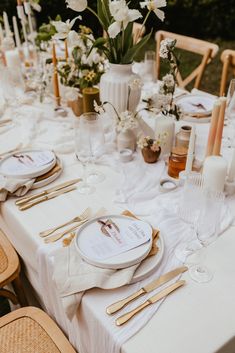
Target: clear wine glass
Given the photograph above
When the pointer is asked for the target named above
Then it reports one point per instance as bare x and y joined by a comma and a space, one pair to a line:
189, 208
97, 141
207, 230
83, 152
230, 113
149, 66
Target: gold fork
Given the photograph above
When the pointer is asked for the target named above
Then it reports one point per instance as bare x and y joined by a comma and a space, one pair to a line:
85, 214
58, 236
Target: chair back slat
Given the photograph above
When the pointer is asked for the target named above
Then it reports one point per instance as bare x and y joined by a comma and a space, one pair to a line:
228, 60
197, 46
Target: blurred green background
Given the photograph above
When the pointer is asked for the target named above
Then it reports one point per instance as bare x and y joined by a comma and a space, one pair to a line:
212, 20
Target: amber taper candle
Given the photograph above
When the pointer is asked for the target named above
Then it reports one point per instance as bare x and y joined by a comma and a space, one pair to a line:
55, 76
66, 50
19, 2
220, 127
213, 128
90, 94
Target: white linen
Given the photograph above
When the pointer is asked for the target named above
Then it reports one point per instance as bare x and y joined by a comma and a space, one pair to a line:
13, 186
159, 209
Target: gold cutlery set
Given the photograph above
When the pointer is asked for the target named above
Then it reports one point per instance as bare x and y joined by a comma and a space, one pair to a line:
147, 289
29, 201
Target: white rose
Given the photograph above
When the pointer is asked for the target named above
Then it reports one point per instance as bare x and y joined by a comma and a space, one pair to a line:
77, 5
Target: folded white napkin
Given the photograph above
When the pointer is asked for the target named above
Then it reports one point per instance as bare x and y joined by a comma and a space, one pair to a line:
73, 275
13, 186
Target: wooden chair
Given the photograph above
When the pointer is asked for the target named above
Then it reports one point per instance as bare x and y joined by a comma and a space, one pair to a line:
9, 272
206, 49
228, 60
30, 330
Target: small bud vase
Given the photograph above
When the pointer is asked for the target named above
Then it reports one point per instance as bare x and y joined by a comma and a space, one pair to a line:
126, 139
150, 156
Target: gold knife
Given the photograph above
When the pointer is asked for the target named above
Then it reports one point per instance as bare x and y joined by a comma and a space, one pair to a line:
148, 288
126, 317
46, 198
46, 192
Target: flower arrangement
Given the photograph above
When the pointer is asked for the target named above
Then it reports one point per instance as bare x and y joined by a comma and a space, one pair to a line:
151, 148
150, 143
86, 65
116, 19
168, 84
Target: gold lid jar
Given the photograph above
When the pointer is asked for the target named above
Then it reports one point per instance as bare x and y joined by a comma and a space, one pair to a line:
177, 161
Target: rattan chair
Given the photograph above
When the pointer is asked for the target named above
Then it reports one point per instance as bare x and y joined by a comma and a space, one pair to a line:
30, 330
206, 49
228, 60
9, 272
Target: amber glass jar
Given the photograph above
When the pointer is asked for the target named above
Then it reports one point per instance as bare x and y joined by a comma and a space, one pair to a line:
177, 161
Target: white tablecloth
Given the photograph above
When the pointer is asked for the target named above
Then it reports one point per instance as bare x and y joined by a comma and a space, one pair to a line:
196, 319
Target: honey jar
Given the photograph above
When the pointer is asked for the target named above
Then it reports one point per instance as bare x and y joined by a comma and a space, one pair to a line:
177, 161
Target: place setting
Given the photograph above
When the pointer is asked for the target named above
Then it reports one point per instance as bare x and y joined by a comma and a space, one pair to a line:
24, 170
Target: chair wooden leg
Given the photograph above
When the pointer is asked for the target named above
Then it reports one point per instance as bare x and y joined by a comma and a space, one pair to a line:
19, 291
9, 295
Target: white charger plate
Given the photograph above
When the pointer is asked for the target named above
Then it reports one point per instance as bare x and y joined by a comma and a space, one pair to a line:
150, 264
33, 163
85, 237
196, 105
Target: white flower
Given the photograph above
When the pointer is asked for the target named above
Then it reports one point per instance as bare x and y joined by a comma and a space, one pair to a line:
98, 108
155, 5
168, 80
77, 5
122, 16
35, 6
126, 121
71, 93
63, 28
166, 45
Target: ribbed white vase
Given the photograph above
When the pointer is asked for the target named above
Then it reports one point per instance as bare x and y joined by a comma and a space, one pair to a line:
115, 87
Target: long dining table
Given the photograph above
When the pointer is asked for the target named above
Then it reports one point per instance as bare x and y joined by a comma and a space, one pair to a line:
196, 318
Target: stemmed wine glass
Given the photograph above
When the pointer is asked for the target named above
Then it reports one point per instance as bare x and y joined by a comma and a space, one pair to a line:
207, 230
89, 142
230, 112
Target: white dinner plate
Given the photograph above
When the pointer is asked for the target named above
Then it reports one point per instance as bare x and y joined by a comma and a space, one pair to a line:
196, 105
150, 264
50, 179
27, 164
91, 242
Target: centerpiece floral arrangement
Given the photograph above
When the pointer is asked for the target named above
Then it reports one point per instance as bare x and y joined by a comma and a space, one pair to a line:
164, 99
86, 65
116, 19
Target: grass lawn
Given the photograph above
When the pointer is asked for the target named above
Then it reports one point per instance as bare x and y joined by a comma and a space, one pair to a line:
212, 75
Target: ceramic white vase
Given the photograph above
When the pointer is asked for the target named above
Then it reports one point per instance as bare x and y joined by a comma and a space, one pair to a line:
126, 139
115, 88
165, 124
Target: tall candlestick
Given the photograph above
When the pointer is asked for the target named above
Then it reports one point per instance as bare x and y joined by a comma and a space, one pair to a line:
213, 128
66, 50
214, 172
220, 127
21, 15
27, 8
231, 173
13, 59
55, 76
6, 24
191, 148
1, 34
165, 125
16, 32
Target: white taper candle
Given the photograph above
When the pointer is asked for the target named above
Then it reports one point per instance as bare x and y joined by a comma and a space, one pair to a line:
16, 32
231, 173
1, 34
191, 148
6, 24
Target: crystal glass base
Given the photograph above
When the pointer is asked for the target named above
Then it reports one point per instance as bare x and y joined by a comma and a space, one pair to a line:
85, 189
200, 274
95, 177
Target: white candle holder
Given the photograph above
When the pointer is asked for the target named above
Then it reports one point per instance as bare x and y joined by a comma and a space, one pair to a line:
60, 112
27, 8
20, 13
229, 188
